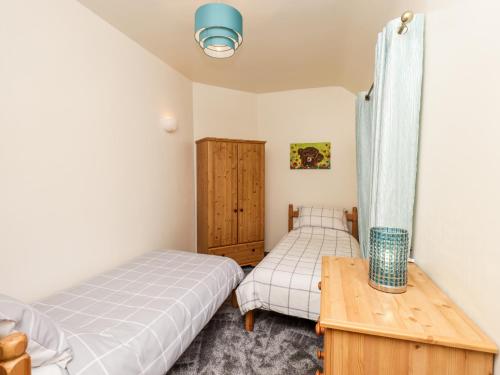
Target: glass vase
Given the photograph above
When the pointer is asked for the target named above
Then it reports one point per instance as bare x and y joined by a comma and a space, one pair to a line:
388, 259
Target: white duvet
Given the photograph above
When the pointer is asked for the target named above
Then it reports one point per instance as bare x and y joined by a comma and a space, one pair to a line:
140, 317
286, 281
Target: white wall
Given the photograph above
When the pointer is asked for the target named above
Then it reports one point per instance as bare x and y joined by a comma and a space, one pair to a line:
311, 115
224, 113
458, 200
88, 179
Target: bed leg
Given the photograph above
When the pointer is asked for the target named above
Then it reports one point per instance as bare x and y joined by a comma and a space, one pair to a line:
13, 357
234, 300
249, 320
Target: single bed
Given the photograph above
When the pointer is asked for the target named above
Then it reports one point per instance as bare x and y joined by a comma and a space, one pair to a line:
140, 317
286, 280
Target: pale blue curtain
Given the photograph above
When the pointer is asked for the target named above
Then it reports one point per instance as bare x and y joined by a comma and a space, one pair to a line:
363, 156
388, 143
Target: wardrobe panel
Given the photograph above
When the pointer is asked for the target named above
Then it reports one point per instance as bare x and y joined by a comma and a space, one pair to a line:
222, 194
250, 192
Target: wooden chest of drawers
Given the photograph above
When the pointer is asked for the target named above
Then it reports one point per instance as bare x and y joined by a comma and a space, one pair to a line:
374, 333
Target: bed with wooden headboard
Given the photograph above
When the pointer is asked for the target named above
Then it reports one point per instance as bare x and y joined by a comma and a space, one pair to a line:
286, 280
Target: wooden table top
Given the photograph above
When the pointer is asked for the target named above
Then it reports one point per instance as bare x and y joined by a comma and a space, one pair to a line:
422, 314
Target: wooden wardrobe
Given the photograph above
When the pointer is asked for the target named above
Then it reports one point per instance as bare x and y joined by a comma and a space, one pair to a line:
230, 198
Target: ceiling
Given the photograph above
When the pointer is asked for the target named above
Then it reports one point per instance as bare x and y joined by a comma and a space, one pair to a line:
288, 44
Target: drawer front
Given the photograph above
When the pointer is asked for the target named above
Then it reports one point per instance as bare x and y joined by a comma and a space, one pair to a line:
244, 254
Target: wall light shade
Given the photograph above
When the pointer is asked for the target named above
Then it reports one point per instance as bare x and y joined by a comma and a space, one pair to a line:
218, 29
169, 124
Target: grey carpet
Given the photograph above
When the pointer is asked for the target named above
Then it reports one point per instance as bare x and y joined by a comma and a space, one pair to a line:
278, 345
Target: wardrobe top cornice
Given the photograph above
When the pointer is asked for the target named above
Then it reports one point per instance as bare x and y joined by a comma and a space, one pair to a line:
228, 140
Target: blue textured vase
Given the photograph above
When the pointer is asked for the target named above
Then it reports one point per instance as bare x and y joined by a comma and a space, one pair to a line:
389, 259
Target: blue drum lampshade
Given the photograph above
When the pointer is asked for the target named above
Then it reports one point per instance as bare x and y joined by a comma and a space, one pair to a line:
388, 259
218, 29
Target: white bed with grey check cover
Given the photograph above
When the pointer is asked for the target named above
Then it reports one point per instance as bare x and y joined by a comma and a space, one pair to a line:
140, 317
286, 281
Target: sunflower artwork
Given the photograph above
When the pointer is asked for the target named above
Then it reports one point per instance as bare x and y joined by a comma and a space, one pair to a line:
310, 155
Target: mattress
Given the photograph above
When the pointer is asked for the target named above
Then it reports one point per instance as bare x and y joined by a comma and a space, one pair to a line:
286, 281
140, 317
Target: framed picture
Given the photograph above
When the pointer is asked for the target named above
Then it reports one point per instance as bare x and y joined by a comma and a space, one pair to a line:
310, 155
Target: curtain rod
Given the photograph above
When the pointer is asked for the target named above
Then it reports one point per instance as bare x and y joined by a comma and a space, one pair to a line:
406, 18
367, 96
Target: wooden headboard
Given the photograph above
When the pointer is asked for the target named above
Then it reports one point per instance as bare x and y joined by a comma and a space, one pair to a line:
351, 216
13, 357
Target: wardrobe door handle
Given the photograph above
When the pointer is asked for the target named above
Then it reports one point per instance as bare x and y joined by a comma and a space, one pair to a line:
241, 209
235, 210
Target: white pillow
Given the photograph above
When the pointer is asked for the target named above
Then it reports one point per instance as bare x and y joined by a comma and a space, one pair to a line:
323, 217
47, 342
6, 327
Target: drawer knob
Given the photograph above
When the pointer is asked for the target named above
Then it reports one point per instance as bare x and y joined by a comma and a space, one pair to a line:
253, 250
235, 210
320, 354
223, 255
319, 285
241, 209
320, 331
319, 372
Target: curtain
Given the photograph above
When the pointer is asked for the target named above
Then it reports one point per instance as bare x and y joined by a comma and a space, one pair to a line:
387, 129
363, 156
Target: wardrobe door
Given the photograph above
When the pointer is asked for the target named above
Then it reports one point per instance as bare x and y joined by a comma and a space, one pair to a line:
222, 194
250, 192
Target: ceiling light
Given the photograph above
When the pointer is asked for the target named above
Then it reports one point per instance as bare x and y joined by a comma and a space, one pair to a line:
218, 29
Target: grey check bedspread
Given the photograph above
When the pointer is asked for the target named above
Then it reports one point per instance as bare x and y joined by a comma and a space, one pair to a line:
140, 317
286, 281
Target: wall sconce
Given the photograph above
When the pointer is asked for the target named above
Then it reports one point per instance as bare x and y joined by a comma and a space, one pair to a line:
169, 124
